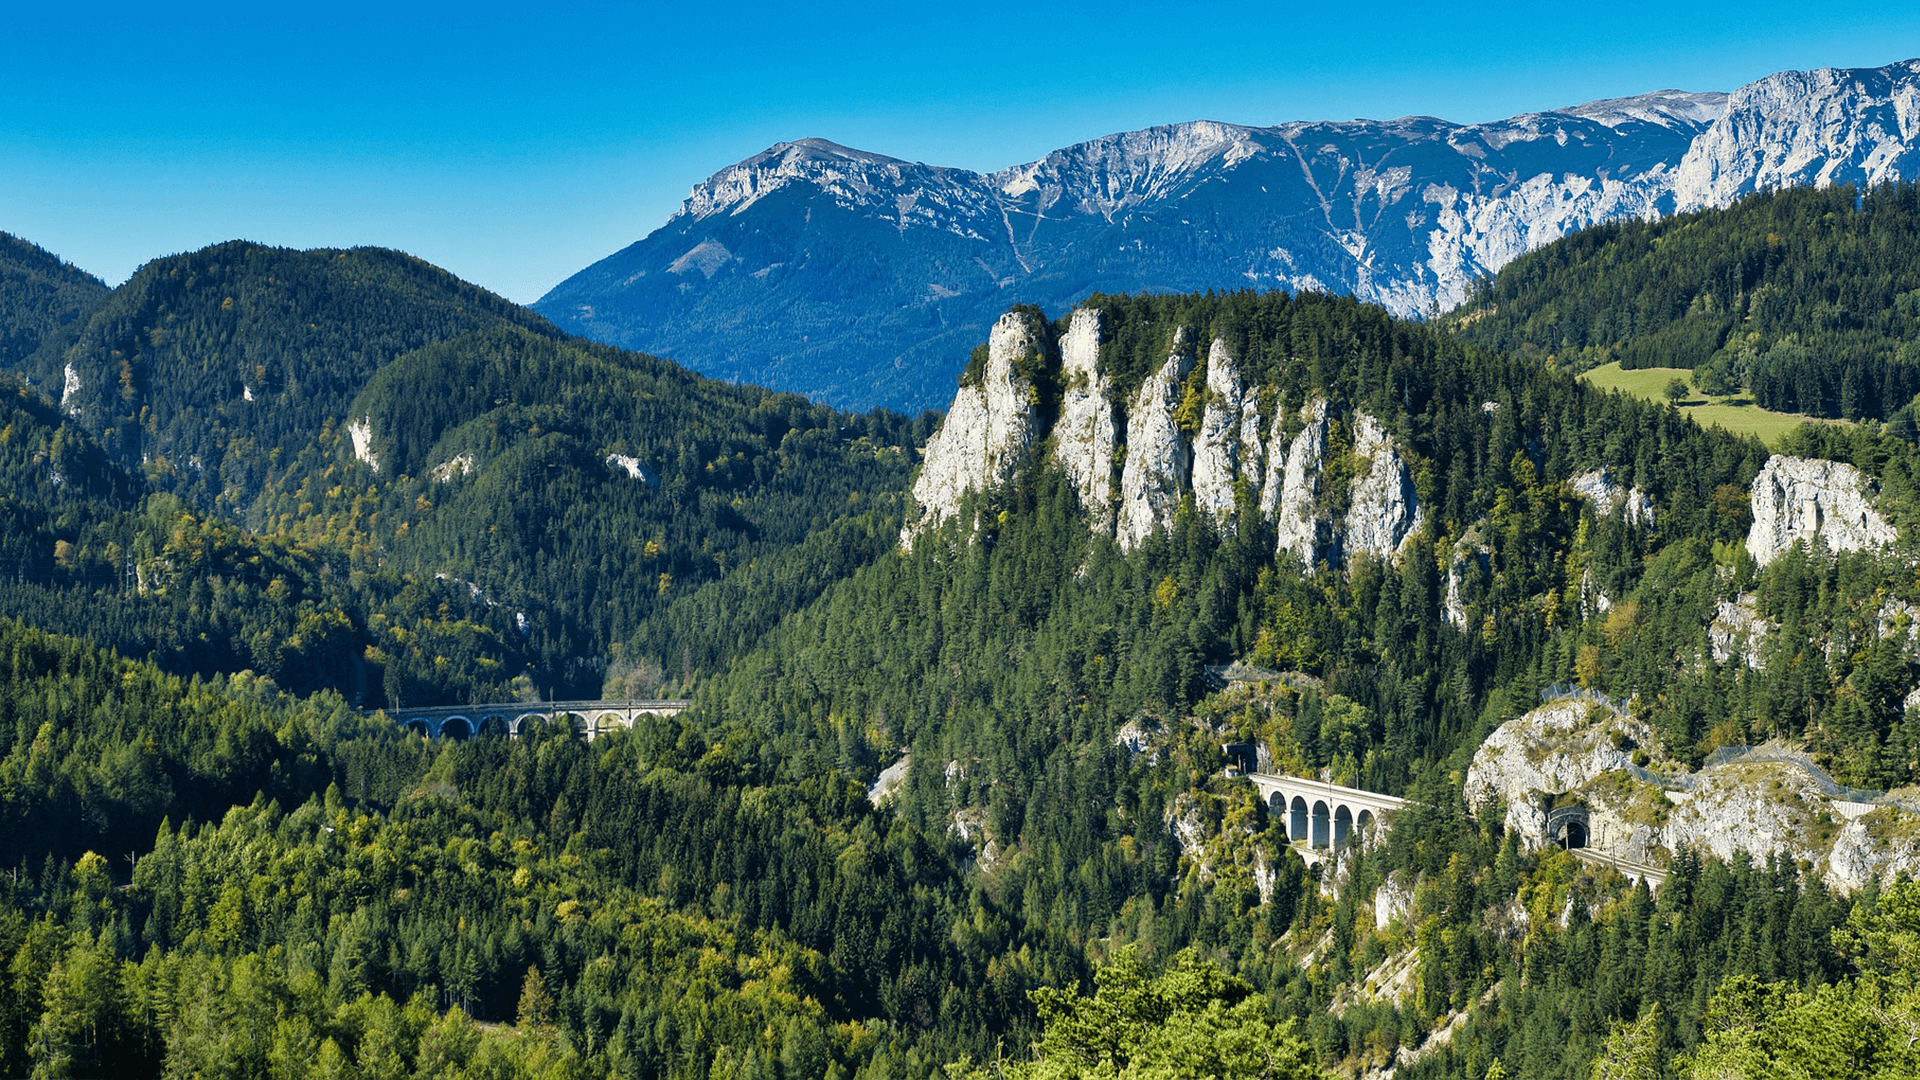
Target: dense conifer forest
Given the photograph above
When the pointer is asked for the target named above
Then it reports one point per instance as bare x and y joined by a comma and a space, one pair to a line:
214, 862
1809, 297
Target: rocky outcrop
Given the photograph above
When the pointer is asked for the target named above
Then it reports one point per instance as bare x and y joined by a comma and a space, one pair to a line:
1558, 747
1469, 569
1820, 503
989, 427
1737, 630
1384, 509
1085, 435
361, 432
1217, 450
1155, 472
1597, 486
1875, 846
1296, 487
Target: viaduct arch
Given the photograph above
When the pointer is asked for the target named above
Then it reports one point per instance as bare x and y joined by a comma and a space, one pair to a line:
510, 718
1324, 816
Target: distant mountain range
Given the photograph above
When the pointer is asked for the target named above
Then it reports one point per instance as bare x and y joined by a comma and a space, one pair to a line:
866, 280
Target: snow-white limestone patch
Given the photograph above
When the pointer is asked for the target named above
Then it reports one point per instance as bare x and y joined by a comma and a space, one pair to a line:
1738, 630
361, 432
1216, 452
1085, 435
628, 464
1597, 486
989, 428
69, 388
1813, 501
1298, 485
458, 465
1385, 510
1155, 472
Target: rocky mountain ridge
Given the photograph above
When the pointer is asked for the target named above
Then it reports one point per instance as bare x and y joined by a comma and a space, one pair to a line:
1165, 455
857, 276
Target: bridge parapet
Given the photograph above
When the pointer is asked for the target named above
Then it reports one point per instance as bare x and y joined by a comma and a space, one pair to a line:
510, 718
1322, 814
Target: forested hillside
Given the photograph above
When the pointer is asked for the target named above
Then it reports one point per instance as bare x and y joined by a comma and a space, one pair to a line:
42, 300
959, 801
1810, 297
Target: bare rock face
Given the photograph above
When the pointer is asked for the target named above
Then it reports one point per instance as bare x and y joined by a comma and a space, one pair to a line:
1819, 502
1738, 630
1216, 453
1385, 510
1468, 571
1760, 808
1558, 747
1294, 513
1874, 846
1085, 435
1152, 480
1597, 486
989, 427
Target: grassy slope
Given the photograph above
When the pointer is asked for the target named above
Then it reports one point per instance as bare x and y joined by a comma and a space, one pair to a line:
1736, 414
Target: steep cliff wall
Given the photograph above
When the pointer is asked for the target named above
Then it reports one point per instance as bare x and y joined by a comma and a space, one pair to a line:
1155, 473
1823, 503
989, 427
1085, 435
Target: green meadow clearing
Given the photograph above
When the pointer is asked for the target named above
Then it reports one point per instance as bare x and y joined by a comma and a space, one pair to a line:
1736, 413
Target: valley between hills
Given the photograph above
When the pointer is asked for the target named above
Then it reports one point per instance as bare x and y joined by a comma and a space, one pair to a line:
1259, 682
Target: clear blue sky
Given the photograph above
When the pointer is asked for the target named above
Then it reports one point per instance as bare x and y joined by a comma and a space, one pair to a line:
516, 144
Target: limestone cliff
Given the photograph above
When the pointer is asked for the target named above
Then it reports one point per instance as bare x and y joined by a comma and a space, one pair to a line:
1469, 569
1217, 450
1154, 475
1085, 435
1598, 487
1766, 801
989, 427
1384, 509
1135, 454
1296, 487
1819, 502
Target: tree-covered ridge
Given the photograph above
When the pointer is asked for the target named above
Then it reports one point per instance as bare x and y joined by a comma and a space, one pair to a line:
205, 365
527, 550
43, 298
1809, 297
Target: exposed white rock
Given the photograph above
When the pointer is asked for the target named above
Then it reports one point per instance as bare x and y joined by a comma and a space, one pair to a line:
1738, 630
458, 465
1760, 808
1875, 846
1468, 571
625, 463
1556, 748
1598, 487
1085, 435
1818, 502
1152, 480
246, 393
1392, 899
1819, 127
69, 388
1296, 516
361, 432
1253, 464
1216, 453
985, 433
890, 778
1593, 601
1385, 509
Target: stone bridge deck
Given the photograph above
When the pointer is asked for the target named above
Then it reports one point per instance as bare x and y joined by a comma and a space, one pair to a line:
1323, 814
509, 718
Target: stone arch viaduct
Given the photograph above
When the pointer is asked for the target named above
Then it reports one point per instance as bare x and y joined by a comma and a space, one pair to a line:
1324, 815
510, 718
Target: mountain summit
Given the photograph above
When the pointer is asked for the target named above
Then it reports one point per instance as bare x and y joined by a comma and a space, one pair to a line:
865, 279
